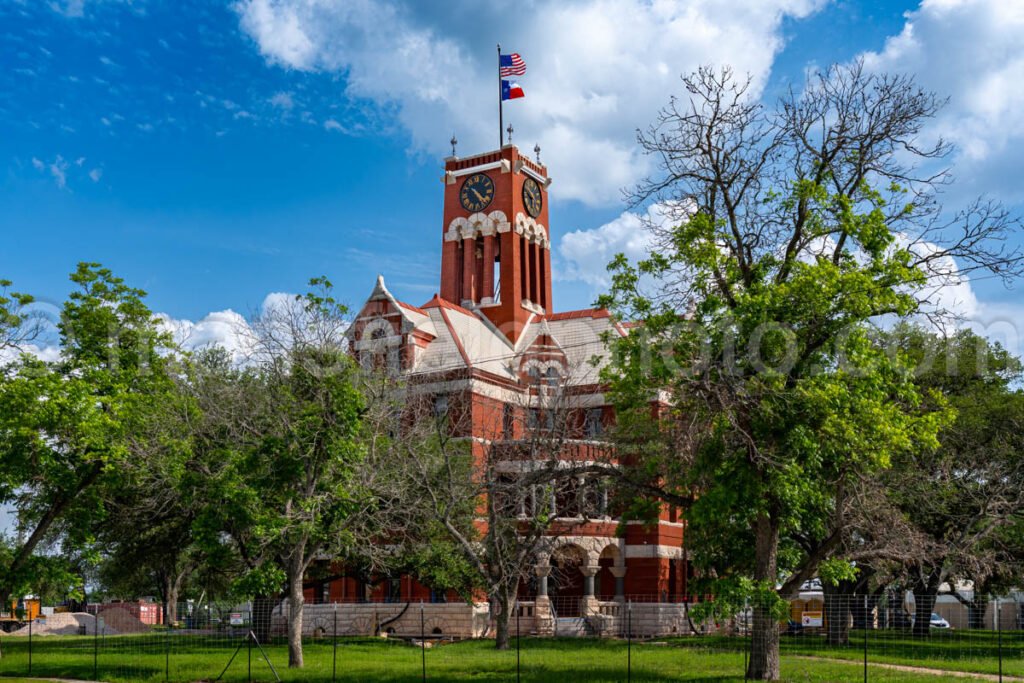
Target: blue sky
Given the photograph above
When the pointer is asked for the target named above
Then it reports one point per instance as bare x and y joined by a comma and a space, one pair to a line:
215, 152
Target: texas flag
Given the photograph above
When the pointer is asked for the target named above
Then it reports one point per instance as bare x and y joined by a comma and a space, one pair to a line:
510, 90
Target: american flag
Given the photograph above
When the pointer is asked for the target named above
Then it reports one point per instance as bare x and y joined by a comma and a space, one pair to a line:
512, 65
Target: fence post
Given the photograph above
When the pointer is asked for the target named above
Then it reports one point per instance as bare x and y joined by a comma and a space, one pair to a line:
248, 646
96, 646
999, 639
167, 655
629, 640
334, 660
750, 630
423, 640
865, 624
29, 645
517, 640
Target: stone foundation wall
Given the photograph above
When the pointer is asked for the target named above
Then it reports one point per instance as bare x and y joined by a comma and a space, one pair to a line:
657, 619
452, 620
459, 620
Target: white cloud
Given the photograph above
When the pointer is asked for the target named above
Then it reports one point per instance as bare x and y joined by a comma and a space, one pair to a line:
59, 171
948, 293
283, 100
598, 69
226, 329
75, 9
69, 8
1002, 322
45, 353
587, 252
970, 50
64, 172
331, 124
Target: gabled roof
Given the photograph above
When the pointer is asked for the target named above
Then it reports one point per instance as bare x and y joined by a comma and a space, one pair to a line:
462, 338
410, 307
413, 317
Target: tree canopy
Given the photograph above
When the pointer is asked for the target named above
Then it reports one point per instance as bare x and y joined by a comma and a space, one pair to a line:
788, 233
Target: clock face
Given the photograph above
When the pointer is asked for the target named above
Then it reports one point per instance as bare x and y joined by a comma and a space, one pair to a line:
477, 192
532, 197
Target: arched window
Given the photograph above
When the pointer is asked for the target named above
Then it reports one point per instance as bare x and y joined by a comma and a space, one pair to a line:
534, 373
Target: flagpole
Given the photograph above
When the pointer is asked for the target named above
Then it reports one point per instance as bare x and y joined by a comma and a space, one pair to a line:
501, 103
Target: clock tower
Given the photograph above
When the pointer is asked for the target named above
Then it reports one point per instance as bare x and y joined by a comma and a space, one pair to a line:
496, 256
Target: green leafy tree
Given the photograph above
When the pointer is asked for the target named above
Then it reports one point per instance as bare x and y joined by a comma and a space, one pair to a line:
788, 232
283, 447
963, 500
17, 326
936, 517
147, 542
66, 427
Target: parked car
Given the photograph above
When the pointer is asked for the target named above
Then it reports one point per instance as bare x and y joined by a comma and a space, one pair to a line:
938, 622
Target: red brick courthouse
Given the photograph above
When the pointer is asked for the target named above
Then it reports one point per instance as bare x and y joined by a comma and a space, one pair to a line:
484, 340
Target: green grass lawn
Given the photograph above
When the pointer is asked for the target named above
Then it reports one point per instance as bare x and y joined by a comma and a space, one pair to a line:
976, 651
198, 658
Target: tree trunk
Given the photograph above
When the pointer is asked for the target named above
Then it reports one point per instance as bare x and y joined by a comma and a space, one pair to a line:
295, 605
5, 600
172, 589
764, 648
976, 611
501, 613
925, 591
837, 612
262, 612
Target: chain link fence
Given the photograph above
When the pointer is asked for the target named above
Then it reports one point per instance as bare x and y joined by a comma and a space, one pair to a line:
638, 638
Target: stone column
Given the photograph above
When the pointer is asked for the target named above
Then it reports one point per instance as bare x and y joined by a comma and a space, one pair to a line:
620, 582
589, 604
487, 286
542, 604
542, 571
589, 572
468, 267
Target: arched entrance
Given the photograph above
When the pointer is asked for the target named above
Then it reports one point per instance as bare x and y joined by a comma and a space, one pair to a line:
565, 585
605, 587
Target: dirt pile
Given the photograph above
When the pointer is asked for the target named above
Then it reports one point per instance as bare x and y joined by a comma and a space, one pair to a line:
66, 624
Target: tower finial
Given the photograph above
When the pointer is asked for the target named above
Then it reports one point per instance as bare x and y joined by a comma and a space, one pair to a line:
510, 130
536, 151
454, 142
